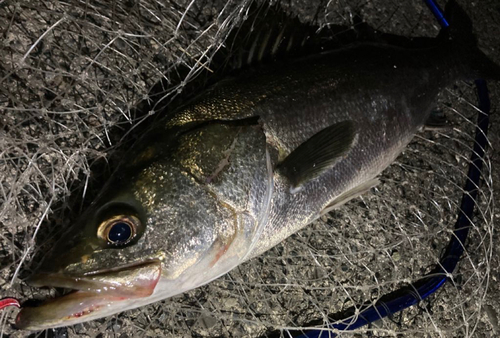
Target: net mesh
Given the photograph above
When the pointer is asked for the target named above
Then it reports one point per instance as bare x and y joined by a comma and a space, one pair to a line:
72, 74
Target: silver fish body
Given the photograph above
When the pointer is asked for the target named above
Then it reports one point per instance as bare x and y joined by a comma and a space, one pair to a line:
386, 98
242, 167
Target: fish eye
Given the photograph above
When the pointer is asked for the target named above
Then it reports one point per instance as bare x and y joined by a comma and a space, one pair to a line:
118, 230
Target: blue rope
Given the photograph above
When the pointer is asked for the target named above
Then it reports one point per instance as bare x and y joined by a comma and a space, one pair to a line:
426, 286
438, 13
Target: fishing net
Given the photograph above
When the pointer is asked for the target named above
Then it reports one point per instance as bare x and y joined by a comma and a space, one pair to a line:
72, 74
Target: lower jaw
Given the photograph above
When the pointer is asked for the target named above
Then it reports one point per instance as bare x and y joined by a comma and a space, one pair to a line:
73, 308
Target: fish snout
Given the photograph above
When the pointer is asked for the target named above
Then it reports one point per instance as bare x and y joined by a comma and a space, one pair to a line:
92, 293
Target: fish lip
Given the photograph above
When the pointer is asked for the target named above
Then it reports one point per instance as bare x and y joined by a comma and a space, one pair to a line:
93, 293
99, 280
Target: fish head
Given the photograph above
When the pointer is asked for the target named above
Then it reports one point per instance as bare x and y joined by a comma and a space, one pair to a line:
153, 232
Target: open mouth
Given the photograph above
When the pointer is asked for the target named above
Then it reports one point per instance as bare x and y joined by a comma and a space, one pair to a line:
90, 296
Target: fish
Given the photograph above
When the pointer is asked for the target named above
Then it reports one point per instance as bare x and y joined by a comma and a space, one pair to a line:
244, 165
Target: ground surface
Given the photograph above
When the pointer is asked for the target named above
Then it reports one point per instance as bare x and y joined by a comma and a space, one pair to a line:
71, 74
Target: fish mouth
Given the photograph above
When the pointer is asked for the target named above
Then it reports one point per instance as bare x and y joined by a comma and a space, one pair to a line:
92, 295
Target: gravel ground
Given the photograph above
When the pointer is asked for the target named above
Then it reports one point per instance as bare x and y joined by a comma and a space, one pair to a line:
72, 74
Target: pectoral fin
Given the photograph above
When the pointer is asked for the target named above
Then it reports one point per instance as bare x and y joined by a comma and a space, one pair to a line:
318, 154
349, 195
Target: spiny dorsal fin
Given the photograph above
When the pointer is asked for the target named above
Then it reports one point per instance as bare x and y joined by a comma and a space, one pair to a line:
318, 154
266, 34
269, 33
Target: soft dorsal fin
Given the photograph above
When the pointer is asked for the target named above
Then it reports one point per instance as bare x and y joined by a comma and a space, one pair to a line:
318, 154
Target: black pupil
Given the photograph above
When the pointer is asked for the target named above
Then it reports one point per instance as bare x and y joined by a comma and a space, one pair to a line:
120, 232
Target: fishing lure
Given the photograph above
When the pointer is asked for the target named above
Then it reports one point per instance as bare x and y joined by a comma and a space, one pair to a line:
7, 302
